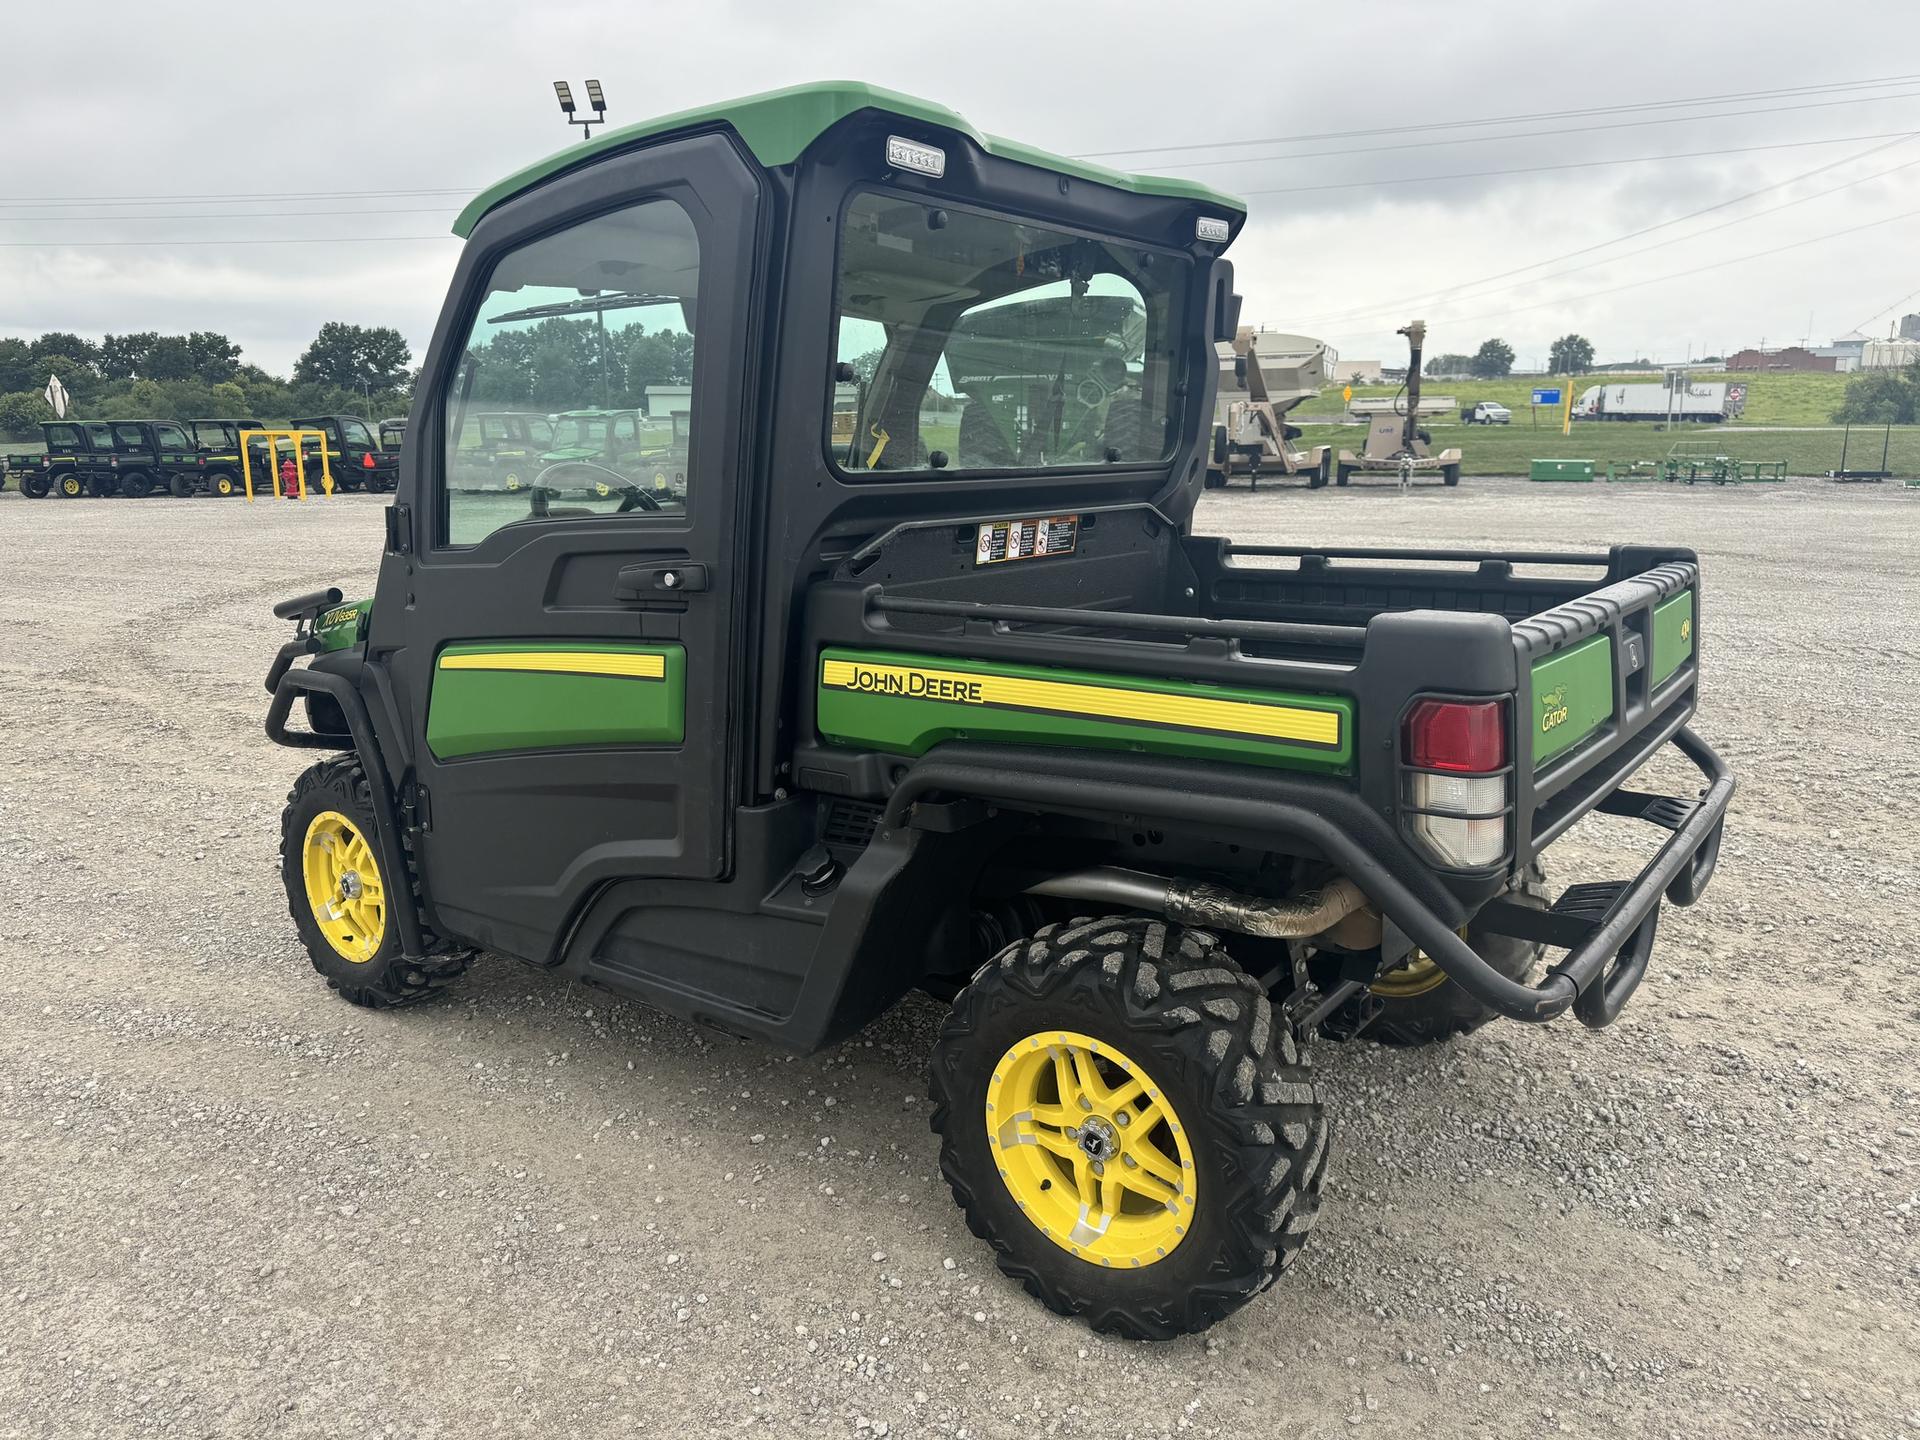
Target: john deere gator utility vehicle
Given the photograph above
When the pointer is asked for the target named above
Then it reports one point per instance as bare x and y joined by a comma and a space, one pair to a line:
924, 678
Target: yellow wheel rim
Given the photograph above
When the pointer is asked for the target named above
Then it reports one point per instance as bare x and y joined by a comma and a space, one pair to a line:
1415, 976
223, 486
69, 485
343, 886
1090, 1149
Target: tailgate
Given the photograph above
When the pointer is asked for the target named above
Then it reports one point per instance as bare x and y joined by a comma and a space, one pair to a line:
1605, 680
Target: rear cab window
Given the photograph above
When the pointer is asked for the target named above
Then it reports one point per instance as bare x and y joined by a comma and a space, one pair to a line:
971, 341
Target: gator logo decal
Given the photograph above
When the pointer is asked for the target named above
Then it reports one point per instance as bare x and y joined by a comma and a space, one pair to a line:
1074, 698
1686, 628
1553, 709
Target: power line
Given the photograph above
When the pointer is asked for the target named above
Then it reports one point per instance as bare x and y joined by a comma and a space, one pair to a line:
263, 196
1571, 165
1438, 296
231, 215
1430, 125
1885, 308
1536, 134
1675, 275
285, 240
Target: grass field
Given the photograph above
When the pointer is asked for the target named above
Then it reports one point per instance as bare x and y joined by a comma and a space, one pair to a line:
1786, 399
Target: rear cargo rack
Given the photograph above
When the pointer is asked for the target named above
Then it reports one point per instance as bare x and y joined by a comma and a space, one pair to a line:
1182, 625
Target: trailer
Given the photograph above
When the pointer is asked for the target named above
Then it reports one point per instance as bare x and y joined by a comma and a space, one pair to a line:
1706, 402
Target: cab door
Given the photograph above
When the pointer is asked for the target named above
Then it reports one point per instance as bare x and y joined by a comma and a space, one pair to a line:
561, 651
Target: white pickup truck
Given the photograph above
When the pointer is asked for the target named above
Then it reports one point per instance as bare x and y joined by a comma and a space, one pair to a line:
1486, 412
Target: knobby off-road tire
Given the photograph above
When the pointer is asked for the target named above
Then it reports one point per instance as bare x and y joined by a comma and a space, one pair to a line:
360, 953
1422, 1006
1166, 1009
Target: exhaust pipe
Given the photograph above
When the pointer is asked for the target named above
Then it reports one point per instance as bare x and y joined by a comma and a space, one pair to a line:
1196, 902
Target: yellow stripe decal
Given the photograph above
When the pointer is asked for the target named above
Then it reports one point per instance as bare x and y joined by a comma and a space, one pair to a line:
620, 664
1100, 702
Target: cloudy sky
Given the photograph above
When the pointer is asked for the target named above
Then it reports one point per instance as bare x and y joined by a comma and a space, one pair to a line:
1370, 200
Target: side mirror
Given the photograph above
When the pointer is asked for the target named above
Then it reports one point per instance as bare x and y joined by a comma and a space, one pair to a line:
843, 373
1226, 304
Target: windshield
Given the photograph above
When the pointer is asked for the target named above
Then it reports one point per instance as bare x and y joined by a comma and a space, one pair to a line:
573, 430
974, 342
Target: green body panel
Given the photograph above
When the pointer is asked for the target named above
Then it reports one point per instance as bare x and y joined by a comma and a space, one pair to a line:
483, 712
779, 124
342, 626
1560, 470
1672, 635
911, 725
1572, 697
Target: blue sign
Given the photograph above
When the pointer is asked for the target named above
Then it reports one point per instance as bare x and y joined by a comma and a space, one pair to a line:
1546, 397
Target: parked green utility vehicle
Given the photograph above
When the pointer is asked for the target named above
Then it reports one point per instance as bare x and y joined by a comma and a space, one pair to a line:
965, 707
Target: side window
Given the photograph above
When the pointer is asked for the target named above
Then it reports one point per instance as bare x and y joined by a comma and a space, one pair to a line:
63, 437
172, 436
571, 332
129, 437
100, 437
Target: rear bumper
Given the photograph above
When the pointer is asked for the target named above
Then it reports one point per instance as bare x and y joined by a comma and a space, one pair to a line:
1607, 929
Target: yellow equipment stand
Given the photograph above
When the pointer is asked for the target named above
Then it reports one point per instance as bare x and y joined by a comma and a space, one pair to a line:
297, 439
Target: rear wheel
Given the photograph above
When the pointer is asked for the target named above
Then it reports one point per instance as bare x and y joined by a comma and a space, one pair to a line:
68, 485
136, 484
101, 486
1450, 474
181, 485
1343, 474
35, 487
1130, 1126
1420, 1005
341, 901
222, 484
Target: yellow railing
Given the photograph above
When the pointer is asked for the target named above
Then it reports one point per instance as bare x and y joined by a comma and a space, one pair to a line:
273, 439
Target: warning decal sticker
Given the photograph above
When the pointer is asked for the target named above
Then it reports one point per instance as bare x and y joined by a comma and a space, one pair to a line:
1026, 539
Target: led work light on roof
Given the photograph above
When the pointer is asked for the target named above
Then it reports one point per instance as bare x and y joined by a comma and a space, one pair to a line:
904, 154
1208, 228
1455, 752
595, 98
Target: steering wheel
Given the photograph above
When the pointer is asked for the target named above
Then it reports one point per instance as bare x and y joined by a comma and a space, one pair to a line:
633, 497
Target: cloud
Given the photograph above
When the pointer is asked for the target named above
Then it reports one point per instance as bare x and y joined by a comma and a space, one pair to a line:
431, 97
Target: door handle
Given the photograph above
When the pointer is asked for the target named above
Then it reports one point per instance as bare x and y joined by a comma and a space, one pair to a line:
674, 577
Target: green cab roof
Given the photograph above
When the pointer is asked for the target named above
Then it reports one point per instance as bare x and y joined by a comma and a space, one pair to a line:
778, 125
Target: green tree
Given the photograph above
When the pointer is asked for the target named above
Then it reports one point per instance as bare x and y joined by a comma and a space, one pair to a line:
63, 342
215, 358
16, 366
21, 413
1440, 364
1570, 355
1881, 397
355, 357
229, 402
124, 356
1492, 361
169, 359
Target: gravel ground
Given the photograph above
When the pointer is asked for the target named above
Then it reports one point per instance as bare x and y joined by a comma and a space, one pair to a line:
233, 1205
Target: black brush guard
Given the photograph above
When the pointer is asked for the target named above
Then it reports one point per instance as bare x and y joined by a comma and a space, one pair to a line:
1607, 929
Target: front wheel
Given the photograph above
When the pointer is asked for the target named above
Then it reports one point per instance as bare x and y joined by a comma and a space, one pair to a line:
1343, 474
1450, 474
342, 901
181, 485
1129, 1125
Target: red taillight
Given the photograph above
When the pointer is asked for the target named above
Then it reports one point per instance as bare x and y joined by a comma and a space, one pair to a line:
1466, 737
